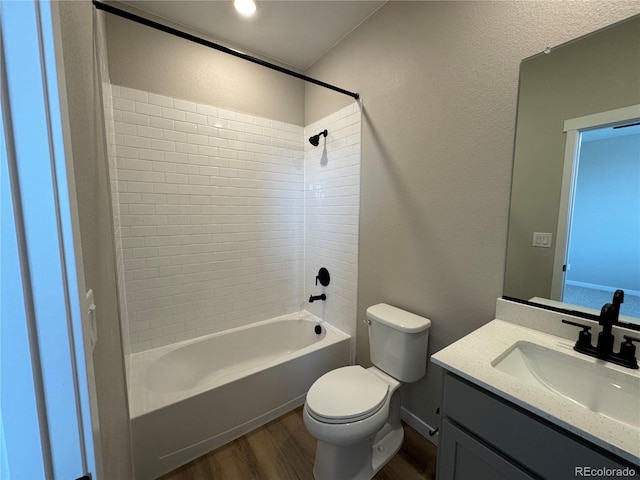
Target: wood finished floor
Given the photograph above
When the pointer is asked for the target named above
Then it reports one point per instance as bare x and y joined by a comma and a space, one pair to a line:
284, 450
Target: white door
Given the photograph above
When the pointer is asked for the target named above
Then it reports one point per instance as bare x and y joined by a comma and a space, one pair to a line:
45, 413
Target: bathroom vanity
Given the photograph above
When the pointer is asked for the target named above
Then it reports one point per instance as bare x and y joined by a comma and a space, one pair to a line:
519, 403
485, 437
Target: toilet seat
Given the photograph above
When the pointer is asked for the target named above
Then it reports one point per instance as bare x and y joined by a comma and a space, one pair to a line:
346, 395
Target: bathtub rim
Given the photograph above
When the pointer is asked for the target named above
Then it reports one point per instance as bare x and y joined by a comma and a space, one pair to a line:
301, 315
139, 394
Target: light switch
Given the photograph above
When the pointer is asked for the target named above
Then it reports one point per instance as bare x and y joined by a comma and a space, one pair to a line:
541, 239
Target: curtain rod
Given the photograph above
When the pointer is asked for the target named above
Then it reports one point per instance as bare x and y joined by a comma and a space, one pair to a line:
187, 36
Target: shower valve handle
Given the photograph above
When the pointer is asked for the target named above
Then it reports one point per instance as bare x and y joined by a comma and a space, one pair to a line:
323, 276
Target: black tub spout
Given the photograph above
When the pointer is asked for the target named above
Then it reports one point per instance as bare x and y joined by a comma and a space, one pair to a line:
322, 297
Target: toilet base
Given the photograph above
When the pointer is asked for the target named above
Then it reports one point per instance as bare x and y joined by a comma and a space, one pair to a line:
386, 444
360, 461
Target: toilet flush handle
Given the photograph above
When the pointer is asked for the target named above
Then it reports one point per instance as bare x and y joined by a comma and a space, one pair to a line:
366, 321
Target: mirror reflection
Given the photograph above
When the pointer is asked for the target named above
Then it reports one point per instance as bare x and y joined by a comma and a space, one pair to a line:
574, 226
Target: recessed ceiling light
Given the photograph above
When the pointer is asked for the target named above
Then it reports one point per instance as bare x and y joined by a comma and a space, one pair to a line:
245, 7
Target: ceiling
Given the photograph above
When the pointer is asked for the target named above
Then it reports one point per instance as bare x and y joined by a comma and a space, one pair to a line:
295, 33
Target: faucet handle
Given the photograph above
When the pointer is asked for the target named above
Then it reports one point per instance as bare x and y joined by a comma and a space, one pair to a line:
628, 351
575, 324
323, 276
584, 337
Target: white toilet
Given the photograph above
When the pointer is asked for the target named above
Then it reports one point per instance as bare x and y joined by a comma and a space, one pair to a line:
353, 412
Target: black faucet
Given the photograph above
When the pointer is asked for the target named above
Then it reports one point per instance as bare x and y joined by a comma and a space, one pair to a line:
604, 347
609, 316
618, 299
322, 297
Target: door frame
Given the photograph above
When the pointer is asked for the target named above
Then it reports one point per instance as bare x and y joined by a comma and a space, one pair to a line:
42, 193
574, 128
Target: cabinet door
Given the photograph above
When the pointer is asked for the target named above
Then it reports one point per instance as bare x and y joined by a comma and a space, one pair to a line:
462, 457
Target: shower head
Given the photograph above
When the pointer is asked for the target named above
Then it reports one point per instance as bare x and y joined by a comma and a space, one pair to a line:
315, 140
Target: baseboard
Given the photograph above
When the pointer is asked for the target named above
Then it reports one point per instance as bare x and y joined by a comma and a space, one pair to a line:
419, 426
604, 288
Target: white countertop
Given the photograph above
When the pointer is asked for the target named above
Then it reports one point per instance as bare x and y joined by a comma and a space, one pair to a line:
471, 357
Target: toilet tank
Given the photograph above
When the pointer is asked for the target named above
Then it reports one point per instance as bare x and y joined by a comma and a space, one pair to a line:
398, 341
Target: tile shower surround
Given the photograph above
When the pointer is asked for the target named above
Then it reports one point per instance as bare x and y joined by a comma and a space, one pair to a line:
214, 212
332, 207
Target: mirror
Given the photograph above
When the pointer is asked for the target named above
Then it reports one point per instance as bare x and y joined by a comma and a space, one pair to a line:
565, 96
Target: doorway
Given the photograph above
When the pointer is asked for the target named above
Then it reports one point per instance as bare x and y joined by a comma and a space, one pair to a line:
602, 241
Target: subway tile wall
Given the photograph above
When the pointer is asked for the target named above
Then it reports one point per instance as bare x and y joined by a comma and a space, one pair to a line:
211, 217
210, 207
332, 207
107, 96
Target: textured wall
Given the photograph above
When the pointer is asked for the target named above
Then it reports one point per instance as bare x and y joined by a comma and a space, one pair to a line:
146, 59
92, 189
439, 87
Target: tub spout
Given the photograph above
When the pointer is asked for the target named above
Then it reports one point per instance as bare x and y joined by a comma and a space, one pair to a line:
322, 297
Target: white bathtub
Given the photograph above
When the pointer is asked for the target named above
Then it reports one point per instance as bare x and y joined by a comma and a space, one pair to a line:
191, 397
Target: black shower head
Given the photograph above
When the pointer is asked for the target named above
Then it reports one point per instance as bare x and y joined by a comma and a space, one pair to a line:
315, 140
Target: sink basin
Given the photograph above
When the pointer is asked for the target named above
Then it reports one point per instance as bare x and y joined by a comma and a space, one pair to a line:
588, 382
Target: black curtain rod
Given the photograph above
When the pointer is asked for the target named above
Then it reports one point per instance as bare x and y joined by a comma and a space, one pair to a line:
187, 36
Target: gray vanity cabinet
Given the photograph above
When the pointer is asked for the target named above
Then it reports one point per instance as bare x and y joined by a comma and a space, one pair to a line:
461, 456
485, 437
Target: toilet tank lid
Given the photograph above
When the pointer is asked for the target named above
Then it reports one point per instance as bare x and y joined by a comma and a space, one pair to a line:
396, 318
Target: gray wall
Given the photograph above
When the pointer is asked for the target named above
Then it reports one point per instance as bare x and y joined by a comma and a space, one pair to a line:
439, 85
90, 171
600, 72
146, 59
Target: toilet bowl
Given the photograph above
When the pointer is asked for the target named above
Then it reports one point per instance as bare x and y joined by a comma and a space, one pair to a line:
348, 405
354, 412
358, 436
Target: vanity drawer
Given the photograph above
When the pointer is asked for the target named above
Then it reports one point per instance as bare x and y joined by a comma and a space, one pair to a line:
533, 443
